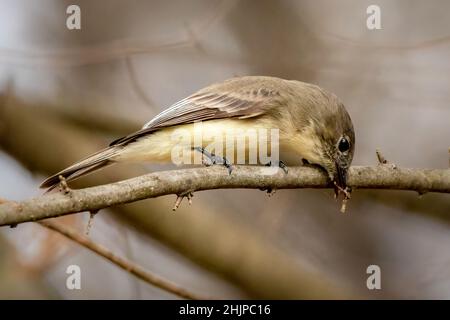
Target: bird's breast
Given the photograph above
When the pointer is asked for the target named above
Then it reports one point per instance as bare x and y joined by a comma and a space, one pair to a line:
241, 141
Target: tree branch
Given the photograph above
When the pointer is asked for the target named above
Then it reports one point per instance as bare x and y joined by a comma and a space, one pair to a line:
125, 264
181, 182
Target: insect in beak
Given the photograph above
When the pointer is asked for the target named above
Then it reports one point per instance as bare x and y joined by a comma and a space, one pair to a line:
340, 180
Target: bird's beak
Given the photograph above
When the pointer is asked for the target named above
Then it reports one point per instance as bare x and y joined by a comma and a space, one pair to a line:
341, 177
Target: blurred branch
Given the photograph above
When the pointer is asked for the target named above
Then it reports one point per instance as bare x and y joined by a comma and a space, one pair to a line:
90, 118
435, 205
17, 281
86, 55
439, 41
140, 92
113, 50
123, 263
186, 181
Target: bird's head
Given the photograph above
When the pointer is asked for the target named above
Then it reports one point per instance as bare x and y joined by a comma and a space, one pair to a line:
336, 159
328, 140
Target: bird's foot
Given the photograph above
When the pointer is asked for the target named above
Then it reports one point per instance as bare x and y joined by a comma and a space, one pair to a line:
281, 164
270, 191
210, 159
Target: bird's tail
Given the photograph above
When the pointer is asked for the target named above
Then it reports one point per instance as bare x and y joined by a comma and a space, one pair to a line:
98, 160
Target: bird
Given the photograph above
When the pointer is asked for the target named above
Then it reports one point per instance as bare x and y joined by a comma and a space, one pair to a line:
312, 125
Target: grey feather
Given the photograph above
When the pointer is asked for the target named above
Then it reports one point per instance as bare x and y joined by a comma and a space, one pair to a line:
240, 98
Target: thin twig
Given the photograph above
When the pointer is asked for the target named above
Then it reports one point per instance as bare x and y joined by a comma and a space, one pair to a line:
65, 189
207, 178
382, 160
380, 157
123, 263
112, 50
189, 195
90, 221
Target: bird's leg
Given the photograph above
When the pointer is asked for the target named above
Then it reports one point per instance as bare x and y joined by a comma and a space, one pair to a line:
281, 164
215, 159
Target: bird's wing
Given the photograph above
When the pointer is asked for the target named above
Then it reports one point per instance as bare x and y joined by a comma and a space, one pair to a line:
239, 99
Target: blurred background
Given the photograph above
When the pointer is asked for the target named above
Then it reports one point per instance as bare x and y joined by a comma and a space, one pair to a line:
66, 93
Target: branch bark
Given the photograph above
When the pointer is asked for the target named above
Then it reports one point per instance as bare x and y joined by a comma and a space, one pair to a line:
183, 181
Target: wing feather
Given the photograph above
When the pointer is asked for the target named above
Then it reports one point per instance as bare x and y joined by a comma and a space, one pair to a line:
240, 98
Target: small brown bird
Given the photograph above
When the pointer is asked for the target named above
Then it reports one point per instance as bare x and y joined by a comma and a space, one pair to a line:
312, 126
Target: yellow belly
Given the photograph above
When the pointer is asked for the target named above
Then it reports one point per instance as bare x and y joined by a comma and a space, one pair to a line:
250, 141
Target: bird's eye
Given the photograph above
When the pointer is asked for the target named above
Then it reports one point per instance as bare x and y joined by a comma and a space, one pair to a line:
344, 145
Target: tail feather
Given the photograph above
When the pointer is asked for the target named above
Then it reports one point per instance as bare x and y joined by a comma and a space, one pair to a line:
92, 163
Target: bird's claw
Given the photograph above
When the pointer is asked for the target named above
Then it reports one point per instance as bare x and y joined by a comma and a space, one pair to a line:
281, 164
213, 159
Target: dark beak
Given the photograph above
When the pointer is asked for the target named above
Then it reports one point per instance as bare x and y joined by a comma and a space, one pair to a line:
341, 177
